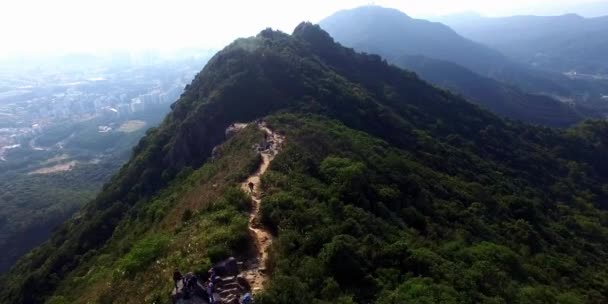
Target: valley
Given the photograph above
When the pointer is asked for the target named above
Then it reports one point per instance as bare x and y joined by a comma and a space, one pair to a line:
72, 126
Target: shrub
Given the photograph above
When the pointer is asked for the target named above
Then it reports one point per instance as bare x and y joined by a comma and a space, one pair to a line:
142, 254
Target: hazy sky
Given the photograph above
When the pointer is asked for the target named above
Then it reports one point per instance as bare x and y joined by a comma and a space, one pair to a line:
33, 26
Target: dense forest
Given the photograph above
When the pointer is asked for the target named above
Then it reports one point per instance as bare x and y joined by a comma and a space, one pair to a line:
371, 223
388, 190
495, 96
32, 205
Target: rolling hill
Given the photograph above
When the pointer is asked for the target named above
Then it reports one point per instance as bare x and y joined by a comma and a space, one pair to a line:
386, 190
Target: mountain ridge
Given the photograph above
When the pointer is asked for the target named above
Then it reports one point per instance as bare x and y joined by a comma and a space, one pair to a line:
387, 190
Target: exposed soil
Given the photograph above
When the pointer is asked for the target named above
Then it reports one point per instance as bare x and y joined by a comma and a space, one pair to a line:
56, 168
255, 272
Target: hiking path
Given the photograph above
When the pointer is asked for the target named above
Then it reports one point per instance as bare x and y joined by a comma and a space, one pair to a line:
255, 270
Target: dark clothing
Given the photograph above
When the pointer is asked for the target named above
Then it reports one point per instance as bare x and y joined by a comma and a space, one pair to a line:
191, 283
189, 280
177, 276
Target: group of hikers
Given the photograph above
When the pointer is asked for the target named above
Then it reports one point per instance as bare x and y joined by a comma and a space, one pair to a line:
190, 286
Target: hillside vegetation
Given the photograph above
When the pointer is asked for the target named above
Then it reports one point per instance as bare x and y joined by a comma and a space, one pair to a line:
504, 100
387, 190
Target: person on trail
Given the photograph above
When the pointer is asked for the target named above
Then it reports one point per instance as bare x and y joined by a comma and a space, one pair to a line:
191, 282
212, 275
210, 292
251, 185
177, 276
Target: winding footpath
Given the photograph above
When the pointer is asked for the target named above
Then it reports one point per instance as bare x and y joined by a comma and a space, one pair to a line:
255, 271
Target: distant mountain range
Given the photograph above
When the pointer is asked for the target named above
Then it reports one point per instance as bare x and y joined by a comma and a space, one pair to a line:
392, 34
451, 61
558, 43
595, 9
587, 9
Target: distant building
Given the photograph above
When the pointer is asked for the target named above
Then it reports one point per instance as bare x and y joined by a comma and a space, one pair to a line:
123, 109
152, 98
104, 129
137, 105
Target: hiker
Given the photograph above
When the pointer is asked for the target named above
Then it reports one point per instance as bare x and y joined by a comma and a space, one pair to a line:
251, 185
210, 292
191, 281
177, 276
212, 275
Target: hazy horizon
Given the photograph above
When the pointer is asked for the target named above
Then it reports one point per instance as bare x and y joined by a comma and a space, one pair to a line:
33, 27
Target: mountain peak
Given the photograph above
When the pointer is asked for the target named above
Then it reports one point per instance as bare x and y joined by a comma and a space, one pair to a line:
573, 16
269, 33
376, 11
313, 34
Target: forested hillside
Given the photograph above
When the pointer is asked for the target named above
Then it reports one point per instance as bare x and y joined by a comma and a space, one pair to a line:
53, 174
504, 100
388, 190
33, 205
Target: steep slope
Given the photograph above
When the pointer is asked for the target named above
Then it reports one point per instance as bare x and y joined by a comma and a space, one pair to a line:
507, 101
393, 34
560, 43
386, 190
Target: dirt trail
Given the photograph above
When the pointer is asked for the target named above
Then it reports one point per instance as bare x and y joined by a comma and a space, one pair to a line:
255, 272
